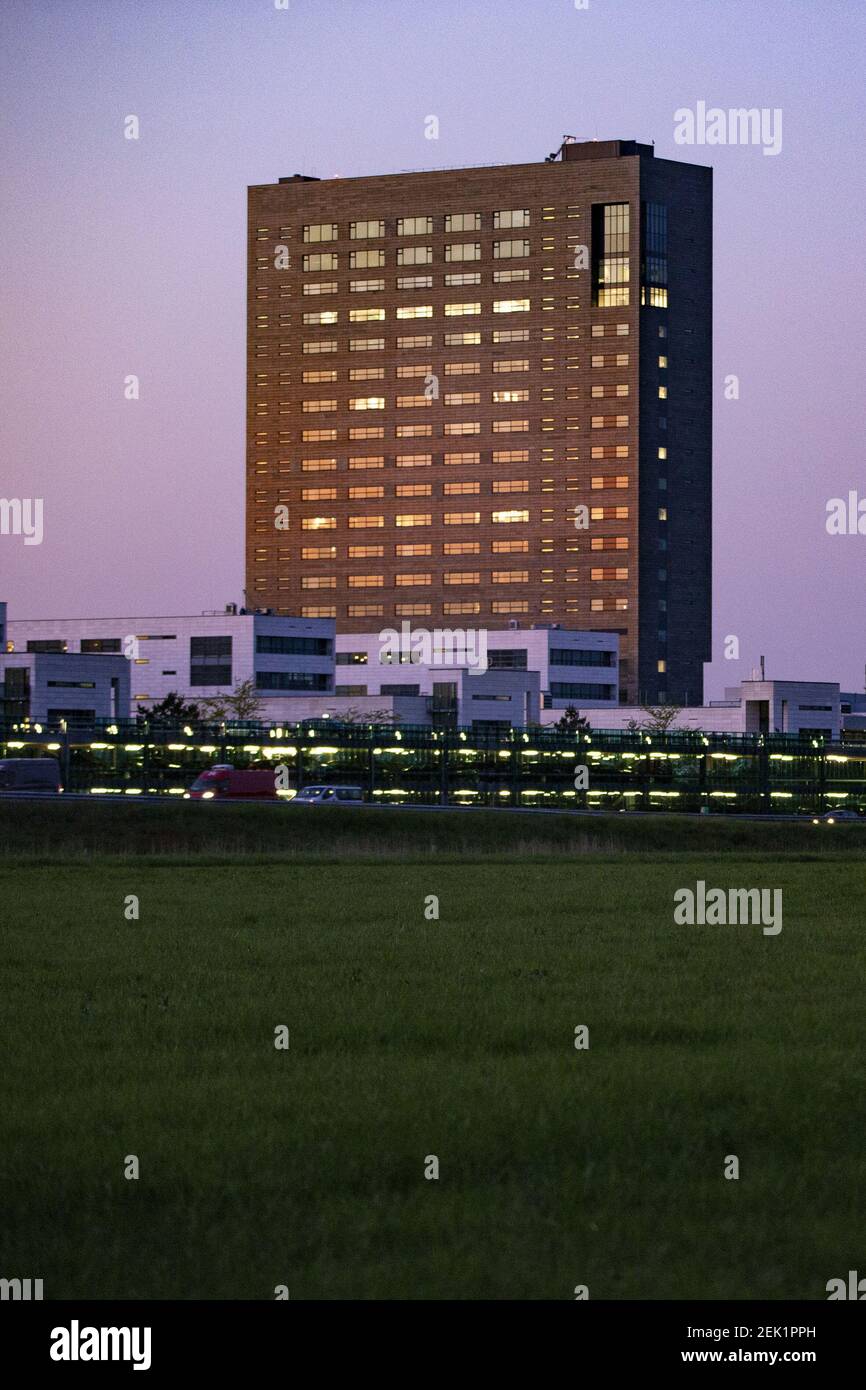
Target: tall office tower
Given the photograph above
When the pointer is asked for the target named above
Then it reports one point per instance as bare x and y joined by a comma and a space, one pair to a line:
482, 398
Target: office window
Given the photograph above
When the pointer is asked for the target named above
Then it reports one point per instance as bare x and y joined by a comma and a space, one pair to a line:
365, 552
510, 576
471, 339
466, 277
367, 461
366, 315
407, 519
366, 260
361, 523
413, 402
320, 287
462, 397
407, 610
420, 340
318, 581
465, 606
414, 460
414, 255
618, 481
461, 548
511, 217
462, 577
365, 610
462, 518
366, 373
413, 490
407, 551
367, 432
511, 335
510, 455
366, 344
510, 485
415, 311
404, 581
322, 260
601, 575
318, 552
413, 431
365, 231
325, 345
509, 517
358, 492
453, 311
510, 306
321, 231
414, 226
504, 249
461, 489
319, 436
510, 277
415, 282
511, 364
510, 426
506, 397
609, 543
311, 407
365, 286
366, 581
318, 523
366, 402
463, 427
319, 494
510, 547
463, 222
510, 606
463, 251
319, 376
462, 368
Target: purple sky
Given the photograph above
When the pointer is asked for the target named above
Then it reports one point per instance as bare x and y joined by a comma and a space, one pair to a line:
121, 257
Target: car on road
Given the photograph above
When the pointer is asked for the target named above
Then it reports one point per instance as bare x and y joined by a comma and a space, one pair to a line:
328, 796
30, 775
227, 783
830, 817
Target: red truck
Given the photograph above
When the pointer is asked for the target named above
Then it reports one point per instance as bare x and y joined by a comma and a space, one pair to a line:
227, 783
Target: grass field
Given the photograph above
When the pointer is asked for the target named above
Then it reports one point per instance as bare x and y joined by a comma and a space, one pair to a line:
412, 1037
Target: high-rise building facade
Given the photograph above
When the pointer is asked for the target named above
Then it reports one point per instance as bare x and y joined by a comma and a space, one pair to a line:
482, 398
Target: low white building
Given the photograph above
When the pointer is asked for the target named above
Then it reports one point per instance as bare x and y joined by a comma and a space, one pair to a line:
196, 655
752, 707
572, 666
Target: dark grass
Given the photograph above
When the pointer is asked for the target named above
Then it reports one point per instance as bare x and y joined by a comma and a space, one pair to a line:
412, 1037
49, 829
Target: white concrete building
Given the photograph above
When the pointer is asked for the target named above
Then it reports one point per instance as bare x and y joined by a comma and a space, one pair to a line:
753, 707
572, 666
196, 655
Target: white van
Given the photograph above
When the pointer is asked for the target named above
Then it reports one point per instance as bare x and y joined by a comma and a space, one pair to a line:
329, 796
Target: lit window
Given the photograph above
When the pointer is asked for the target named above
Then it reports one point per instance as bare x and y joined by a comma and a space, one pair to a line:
463, 251
453, 311
318, 523
366, 315
503, 249
415, 311
366, 581
510, 306
420, 340
511, 217
461, 489
413, 519
463, 427
471, 339
365, 231
463, 221
413, 490
319, 494
408, 402
506, 518
366, 373
511, 335
321, 231
462, 577
366, 260
325, 345
320, 287
366, 344
414, 226
360, 523
466, 277
322, 260
415, 282
508, 397
404, 581
510, 576
310, 407
462, 397
515, 364
414, 255
366, 402
360, 492
365, 286
318, 581
462, 518
365, 552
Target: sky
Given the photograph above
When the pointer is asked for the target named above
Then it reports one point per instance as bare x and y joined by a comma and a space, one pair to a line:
127, 257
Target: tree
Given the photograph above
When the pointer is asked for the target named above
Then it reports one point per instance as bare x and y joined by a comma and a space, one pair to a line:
243, 703
660, 718
171, 710
572, 722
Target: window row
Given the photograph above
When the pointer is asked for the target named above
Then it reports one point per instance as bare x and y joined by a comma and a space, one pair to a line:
464, 607
372, 229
